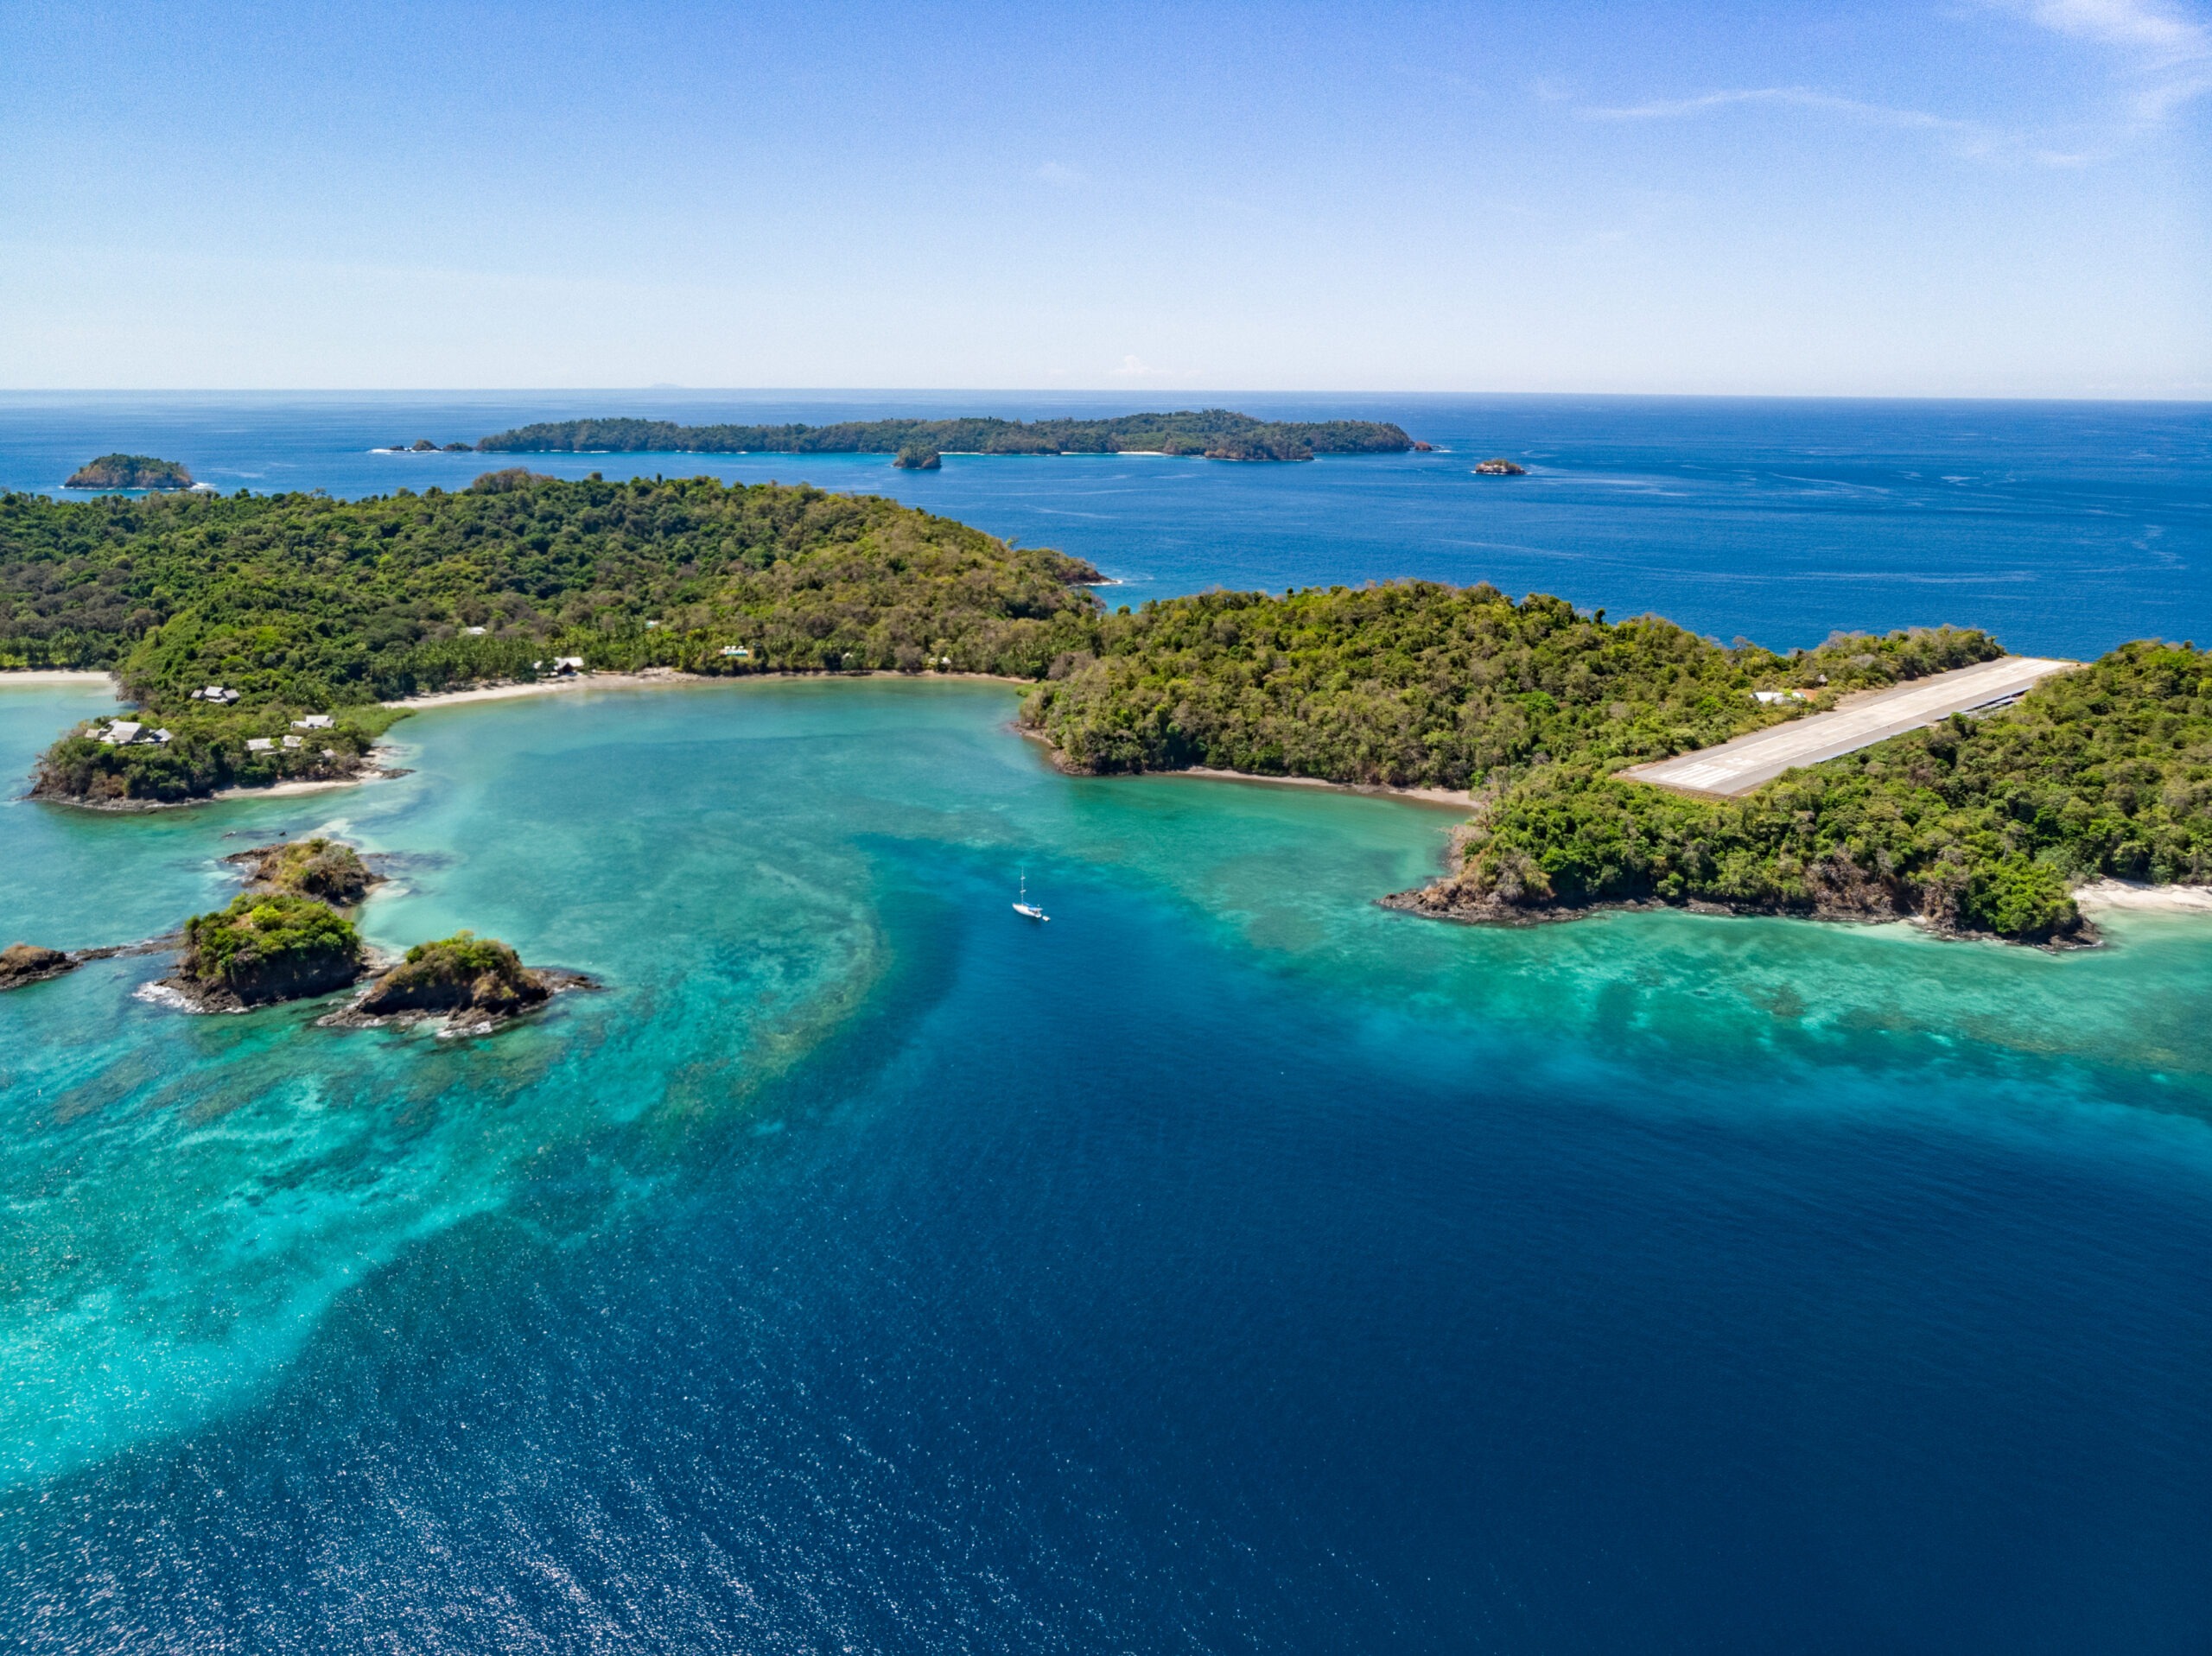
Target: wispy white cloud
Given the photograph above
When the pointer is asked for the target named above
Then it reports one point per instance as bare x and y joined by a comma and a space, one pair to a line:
2123, 22
2166, 51
1132, 368
1800, 97
2165, 64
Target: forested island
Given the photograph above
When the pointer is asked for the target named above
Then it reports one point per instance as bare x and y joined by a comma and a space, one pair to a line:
1977, 825
129, 471
259, 633
1211, 434
299, 609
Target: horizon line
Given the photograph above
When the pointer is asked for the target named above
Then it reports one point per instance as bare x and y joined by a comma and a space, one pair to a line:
2178, 399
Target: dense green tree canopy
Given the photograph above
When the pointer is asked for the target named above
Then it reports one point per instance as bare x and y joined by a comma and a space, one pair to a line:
1979, 824
1413, 684
302, 605
306, 602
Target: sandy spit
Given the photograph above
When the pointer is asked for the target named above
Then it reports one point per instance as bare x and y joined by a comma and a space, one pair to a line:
2128, 894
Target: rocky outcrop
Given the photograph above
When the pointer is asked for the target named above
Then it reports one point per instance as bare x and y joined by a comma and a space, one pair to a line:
1500, 467
22, 963
919, 457
327, 870
476, 983
266, 947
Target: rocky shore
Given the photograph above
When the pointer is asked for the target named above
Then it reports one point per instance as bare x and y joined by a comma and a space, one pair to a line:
266, 947
327, 870
475, 985
22, 963
1835, 888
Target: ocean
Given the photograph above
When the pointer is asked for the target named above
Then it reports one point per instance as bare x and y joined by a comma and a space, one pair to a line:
2062, 528
1227, 1264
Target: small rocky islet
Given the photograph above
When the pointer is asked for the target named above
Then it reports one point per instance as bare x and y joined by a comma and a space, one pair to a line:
289, 937
475, 984
22, 963
328, 870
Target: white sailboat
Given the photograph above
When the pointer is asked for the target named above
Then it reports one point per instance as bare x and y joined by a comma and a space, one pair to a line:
1024, 907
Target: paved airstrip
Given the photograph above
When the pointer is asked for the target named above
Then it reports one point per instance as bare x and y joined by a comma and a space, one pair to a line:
1736, 767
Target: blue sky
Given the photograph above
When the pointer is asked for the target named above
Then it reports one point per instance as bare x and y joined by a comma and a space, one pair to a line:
1967, 199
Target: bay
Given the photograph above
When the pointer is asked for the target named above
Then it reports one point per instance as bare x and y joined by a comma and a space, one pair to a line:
1228, 1264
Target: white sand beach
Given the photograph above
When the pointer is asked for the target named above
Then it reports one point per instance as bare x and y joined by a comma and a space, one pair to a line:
26, 676
661, 677
2128, 894
285, 790
552, 686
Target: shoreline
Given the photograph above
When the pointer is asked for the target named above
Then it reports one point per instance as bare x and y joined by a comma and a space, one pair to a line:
1444, 798
2128, 894
294, 789
29, 676
1420, 903
651, 678
516, 688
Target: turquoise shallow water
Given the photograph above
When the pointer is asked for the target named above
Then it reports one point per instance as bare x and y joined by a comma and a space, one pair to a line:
1230, 1263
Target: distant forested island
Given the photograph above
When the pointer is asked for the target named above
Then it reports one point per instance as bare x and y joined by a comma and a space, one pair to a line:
260, 633
1211, 434
129, 471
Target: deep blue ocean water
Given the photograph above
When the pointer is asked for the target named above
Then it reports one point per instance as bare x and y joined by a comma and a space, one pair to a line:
2064, 528
1228, 1264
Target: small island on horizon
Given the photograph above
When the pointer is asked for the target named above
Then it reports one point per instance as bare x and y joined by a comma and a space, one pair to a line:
129, 471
